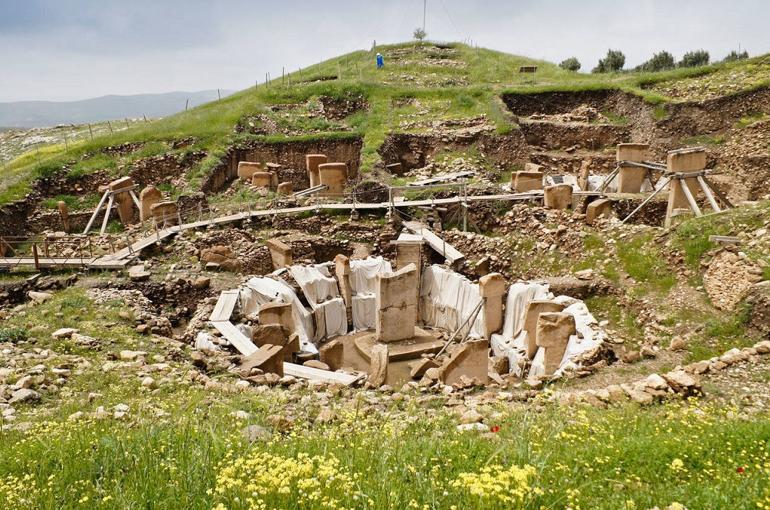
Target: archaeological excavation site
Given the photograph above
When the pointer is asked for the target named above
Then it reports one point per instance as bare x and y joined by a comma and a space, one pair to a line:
441, 274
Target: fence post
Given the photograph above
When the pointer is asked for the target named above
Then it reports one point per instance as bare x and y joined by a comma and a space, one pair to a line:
34, 255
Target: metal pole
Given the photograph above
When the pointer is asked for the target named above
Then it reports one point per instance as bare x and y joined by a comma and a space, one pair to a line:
647, 200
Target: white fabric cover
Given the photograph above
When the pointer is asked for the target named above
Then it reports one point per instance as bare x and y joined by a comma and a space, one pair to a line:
363, 282
261, 290
447, 299
323, 295
512, 342
595, 182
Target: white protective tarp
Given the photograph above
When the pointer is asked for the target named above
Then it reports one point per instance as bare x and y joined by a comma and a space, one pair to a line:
363, 282
447, 299
323, 295
595, 182
512, 342
261, 290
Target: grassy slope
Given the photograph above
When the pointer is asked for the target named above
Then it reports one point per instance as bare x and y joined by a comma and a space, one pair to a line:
444, 91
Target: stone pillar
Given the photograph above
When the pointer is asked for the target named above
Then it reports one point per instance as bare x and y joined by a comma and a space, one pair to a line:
148, 198
262, 179
165, 213
409, 251
631, 178
598, 208
584, 174
553, 332
274, 169
558, 196
533, 311
277, 313
311, 163
285, 188
64, 214
492, 289
468, 362
333, 175
396, 305
123, 201
342, 272
683, 161
248, 168
280, 253
527, 181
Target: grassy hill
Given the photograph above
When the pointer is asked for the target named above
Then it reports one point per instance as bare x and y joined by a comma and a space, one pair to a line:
432, 82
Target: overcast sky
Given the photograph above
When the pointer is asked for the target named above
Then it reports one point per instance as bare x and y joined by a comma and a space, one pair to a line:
76, 49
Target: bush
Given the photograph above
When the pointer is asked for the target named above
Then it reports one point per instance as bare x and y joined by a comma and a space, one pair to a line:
659, 62
12, 335
614, 61
695, 58
734, 55
419, 34
570, 64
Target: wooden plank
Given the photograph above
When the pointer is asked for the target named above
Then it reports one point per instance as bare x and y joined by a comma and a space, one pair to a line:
449, 252
725, 239
244, 345
315, 374
442, 178
225, 306
45, 262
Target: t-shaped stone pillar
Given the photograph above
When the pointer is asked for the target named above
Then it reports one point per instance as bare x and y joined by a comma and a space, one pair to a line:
558, 196
396, 305
492, 289
64, 214
553, 332
123, 201
246, 169
533, 311
631, 178
342, 272
334, 176
277, 313
148, 198
311, 163
280, 253
683, 161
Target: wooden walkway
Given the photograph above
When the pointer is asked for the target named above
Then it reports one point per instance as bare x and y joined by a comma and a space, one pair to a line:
123, 257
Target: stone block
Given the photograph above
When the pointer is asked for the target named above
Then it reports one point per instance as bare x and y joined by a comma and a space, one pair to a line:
531, 314
165, 213
268, 358
311, 163
396, 304
553, 332
280, 253
601, 207
277, 313
148, 198
378, 367
395, 168
558, 196
248, 168
492, 289
527, 181
262, 179
64, 215
631, 178
342, 272
123, 201
332, 353
686, 160
533, 167
636, 152
269, 334
469, 361
285, 188
333, 175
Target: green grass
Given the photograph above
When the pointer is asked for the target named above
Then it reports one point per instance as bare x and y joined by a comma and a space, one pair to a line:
642, 261
721, 333
748, 120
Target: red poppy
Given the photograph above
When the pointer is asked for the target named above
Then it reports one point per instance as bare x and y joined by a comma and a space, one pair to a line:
495, 428
739, 469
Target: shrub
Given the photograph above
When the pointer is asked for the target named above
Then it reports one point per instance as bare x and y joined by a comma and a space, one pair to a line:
659, 62
570, 64
695, 58
419, 34
734, 55
13, 335
614, 61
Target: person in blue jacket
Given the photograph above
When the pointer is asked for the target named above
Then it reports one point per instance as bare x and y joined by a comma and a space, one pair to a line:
380, 61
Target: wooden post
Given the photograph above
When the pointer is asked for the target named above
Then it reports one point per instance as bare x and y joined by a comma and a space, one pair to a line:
109, 126
34, 255
186, 104
219, 95
709, 195
90, 131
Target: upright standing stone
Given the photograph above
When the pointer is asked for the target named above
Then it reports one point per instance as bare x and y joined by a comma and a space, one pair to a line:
165, 213
469, 361
598, 208
558, 196
311, 163
262, 179
683, 161
492, 289
533, 311
527, 181
334, 175
342, 272
277, 313
631, 178
378, 368
332, 353
64, 214
123, 201
148, 198
268, 358
396, 305
280, 253
246, 169
409, 251
553, 332
285, 188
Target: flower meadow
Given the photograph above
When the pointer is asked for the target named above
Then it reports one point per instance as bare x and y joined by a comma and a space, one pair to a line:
692, 454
